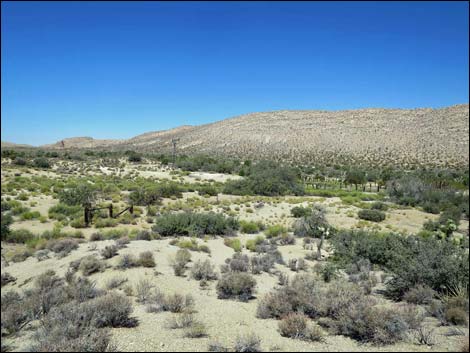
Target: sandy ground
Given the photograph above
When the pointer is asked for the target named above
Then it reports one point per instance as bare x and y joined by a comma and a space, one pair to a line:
224, 319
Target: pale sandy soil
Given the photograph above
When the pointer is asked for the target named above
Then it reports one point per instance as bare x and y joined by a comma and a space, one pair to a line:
224, 319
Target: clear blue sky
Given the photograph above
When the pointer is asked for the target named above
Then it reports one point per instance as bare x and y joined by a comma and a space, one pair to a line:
118, 69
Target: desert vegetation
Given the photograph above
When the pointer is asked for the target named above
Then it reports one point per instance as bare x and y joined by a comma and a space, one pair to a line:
202, 253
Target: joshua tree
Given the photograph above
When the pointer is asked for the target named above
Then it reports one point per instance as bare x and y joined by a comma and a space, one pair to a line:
314, 225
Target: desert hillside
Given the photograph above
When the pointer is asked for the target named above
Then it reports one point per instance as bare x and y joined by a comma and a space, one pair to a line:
378, 136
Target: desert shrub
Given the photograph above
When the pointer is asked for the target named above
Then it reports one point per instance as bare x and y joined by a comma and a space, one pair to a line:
80, 289
21, 256
262, 263
48, 292
247, 343
431, 207
203, 270
217, 347
191, 244
96, 236
237, 285
143, 291
293, 325
30, 215
237, 263
7, 278
41, 162
196, 330
412, 260
90, 264
78, 223
106, 222
197, 224
456, 316
207, 190
267, 178
233, 243
313, 225
19, 161
249, 227
122, 242
365, 323
180, 261
183, 320
78, 194
127, 261
146, 259
111, 310
328, 271
6, 221
380, 206
115, 282
109, 251
62, 247
177, 303
275, 231
251, 244
299, 211
62, 210
371, 215
144, 235
18, 236
419, 294
450, 212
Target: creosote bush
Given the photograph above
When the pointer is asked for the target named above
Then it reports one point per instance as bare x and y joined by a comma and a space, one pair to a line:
180, 261
247, 343
90, 264
195, 224
371, 215
146, 259
109, 251
203, 271
236, 285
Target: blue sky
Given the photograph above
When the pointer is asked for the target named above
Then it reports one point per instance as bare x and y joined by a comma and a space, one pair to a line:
118, 69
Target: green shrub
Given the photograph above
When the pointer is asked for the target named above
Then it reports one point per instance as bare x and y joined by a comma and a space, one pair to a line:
19, 236
371, 215
146, 259
237, 285
197, 224
247, 343
233, 243
275, 231
106, 222
419, 294
41, 163
90, 264
380, 206
180, 261
203, 271
249, 227
251, 244
267, 178
109, 251
438, 264
293, 325
127, 261
299, 211
456, 316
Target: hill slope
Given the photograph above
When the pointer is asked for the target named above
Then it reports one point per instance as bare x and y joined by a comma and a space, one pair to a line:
373, 136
